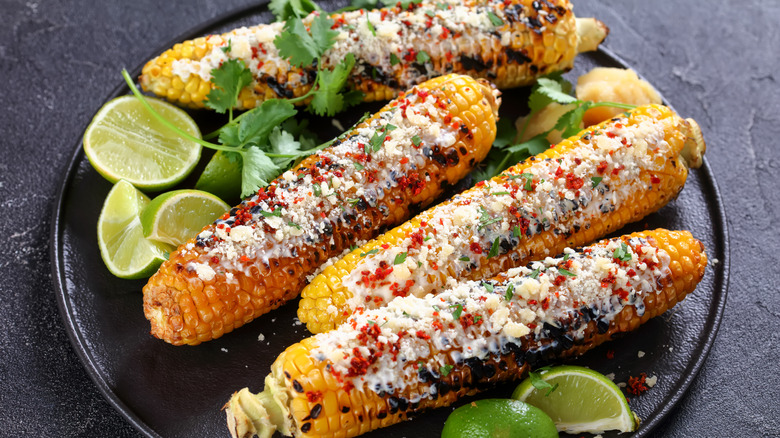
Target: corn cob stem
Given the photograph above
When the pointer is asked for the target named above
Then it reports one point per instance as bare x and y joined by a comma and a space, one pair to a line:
259, 255
511, 43
384, 365
583, 188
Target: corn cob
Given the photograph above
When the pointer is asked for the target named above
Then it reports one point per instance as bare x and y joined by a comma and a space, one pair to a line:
583, 188
384, 365
258, 255
395, 49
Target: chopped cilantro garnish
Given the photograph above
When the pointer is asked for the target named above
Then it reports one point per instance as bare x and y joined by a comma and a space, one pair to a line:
595, 180
517, 231
353, 201
565, 257
353, 247
495, 19
488, 286
276, 213
485, 219
407, 315
394, 59
376, 142
477, 319
566, 272
621, 253
465, 259
420, 366
499, 193
359, 166
294, 225
436, 308
399, 258
535, 273
509, 292
445, 370
423, 57
370, 27
317, 189
427, 238
416, 140
229, 47
430, 13
373, 251
389, 127
494, 248
458, 311
539, 383
442, 6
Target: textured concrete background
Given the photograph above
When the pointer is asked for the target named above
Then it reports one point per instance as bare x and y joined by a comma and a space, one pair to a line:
716, 61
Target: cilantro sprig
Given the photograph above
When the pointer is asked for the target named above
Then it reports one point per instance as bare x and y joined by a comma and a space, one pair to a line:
539, 383
551, 89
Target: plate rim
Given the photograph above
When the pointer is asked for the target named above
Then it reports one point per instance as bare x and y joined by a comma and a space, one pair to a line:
79, 344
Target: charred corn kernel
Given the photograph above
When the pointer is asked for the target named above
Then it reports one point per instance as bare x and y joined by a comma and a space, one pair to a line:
583, 188
259, 254
510, 42
420, 353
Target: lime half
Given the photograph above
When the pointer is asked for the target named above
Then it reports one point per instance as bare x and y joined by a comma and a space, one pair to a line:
125, 141
125, 251
583, 401
498, 418
175, 217
222, 176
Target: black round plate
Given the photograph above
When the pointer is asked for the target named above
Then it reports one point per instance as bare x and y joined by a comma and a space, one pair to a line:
180, 391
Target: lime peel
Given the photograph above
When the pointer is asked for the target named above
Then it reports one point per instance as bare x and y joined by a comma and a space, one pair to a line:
174, 217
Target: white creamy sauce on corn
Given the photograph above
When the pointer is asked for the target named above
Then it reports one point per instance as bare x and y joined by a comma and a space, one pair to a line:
414, 339
387, 42
301, 208
564, 194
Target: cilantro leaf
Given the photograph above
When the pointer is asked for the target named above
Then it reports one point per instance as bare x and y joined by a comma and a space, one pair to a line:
423, 57
323, 35
327, 99
566, 272
488, 286
373, 251
399, 258
505, 134
394, 59
257, 170
535, 273
569, 122
284, 9
283, 143
296, 44
548, 90
257, 124
595, 180
536, 145
228, 80
228, 135
445, 369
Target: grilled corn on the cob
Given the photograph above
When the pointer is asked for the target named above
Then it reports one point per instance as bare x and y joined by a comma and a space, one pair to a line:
259, 254
384, 365
583, 188
509, 42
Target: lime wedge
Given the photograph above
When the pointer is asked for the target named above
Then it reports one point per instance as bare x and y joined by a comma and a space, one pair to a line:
492, 418
222, 176
584, 401
175, 217
124, 141
125, 251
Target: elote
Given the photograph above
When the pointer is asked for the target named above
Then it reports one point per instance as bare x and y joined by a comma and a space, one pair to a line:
509, 42
258, 255
583, 188
385, 365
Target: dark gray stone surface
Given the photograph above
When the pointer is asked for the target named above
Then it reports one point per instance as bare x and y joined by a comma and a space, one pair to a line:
715, 61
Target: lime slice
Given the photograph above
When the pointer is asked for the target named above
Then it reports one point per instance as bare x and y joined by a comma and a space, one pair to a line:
498, 418
175, 217
124, 141
125, 251
583, 401
222, 176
